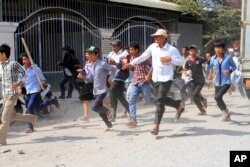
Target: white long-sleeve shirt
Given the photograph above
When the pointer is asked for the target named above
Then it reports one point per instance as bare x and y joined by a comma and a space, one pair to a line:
162, 72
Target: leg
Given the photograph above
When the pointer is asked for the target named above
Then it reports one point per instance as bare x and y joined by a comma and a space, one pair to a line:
121, 96
62, 85
98, 107
85, 106
73, 82
70, 90
198, 97
219, 93
113, 98
146, 92
31, 103
7, 116
239, 83
133, 95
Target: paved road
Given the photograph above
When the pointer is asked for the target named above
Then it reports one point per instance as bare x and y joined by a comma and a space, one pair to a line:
195, 141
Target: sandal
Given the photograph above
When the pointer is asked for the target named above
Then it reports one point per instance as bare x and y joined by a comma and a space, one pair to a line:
154, 131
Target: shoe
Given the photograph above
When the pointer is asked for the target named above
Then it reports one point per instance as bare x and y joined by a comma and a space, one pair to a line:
132, 124
30, 130
154, 131
68, 97
179, 112
225, 116
205, 103
56, 102
61, 97
202, 113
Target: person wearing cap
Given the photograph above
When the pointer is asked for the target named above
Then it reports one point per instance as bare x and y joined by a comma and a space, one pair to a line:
164, 58
99, 73
194, 64
223, 65
12, 76
69, 70
118, 57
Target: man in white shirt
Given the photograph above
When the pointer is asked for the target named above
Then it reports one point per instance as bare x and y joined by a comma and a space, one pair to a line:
164, 58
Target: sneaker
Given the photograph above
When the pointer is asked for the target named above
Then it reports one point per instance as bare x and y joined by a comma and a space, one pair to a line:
68, 97
56, 103
179, 112
30, 130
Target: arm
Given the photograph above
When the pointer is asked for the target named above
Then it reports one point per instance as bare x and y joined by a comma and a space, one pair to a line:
176, 58
111, 69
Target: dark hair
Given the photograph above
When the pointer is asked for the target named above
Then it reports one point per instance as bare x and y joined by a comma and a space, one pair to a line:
4, 48
219, 43
134, 45
185, 47
24, 54
93, 49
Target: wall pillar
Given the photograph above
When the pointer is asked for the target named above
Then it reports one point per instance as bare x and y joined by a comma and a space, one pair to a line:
174, 39
106, 39
7, 36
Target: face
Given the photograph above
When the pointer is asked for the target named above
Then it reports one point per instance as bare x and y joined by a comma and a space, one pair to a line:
219, 50
93, 57
193, 52
160, 39
2, 55
26, 61
116, 48
133, 52
208, 56
87, 56
184, 51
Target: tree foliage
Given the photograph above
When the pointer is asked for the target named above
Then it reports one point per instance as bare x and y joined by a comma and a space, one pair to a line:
219, 22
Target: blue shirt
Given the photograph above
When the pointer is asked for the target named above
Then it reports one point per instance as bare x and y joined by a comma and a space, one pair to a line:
99, 72
227, 63
31, 84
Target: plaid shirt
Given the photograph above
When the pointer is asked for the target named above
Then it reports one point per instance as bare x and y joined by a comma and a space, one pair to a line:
141, 71
11, 72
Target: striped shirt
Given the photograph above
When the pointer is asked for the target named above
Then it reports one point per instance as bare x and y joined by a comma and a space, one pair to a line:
11, 72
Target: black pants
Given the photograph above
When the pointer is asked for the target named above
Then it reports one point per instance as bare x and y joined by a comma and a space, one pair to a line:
100, 109
161, 89
219, 93
197, 97
65, 80
117, 93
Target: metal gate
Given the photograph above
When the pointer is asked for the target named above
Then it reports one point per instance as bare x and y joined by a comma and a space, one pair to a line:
47, 30
137, 28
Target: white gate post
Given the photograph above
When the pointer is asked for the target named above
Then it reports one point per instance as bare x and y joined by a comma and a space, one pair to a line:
7, 36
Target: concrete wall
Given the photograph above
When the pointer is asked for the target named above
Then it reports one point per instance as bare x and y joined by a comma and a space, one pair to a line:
7, 35
190, 34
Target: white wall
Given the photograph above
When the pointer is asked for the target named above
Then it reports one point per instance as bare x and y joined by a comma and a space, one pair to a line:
7, 35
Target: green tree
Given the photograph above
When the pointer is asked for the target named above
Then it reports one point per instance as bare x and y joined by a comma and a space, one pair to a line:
219, 21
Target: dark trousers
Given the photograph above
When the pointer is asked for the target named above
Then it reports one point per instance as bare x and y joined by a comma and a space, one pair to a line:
117, 93
35, 103
100, 109
161, 89
66, 79
219, 93
197, 97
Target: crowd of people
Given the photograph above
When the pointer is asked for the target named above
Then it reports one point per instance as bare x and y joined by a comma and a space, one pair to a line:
150, 75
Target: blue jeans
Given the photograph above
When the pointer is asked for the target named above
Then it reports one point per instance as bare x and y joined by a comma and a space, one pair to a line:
134, 91
35, 103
